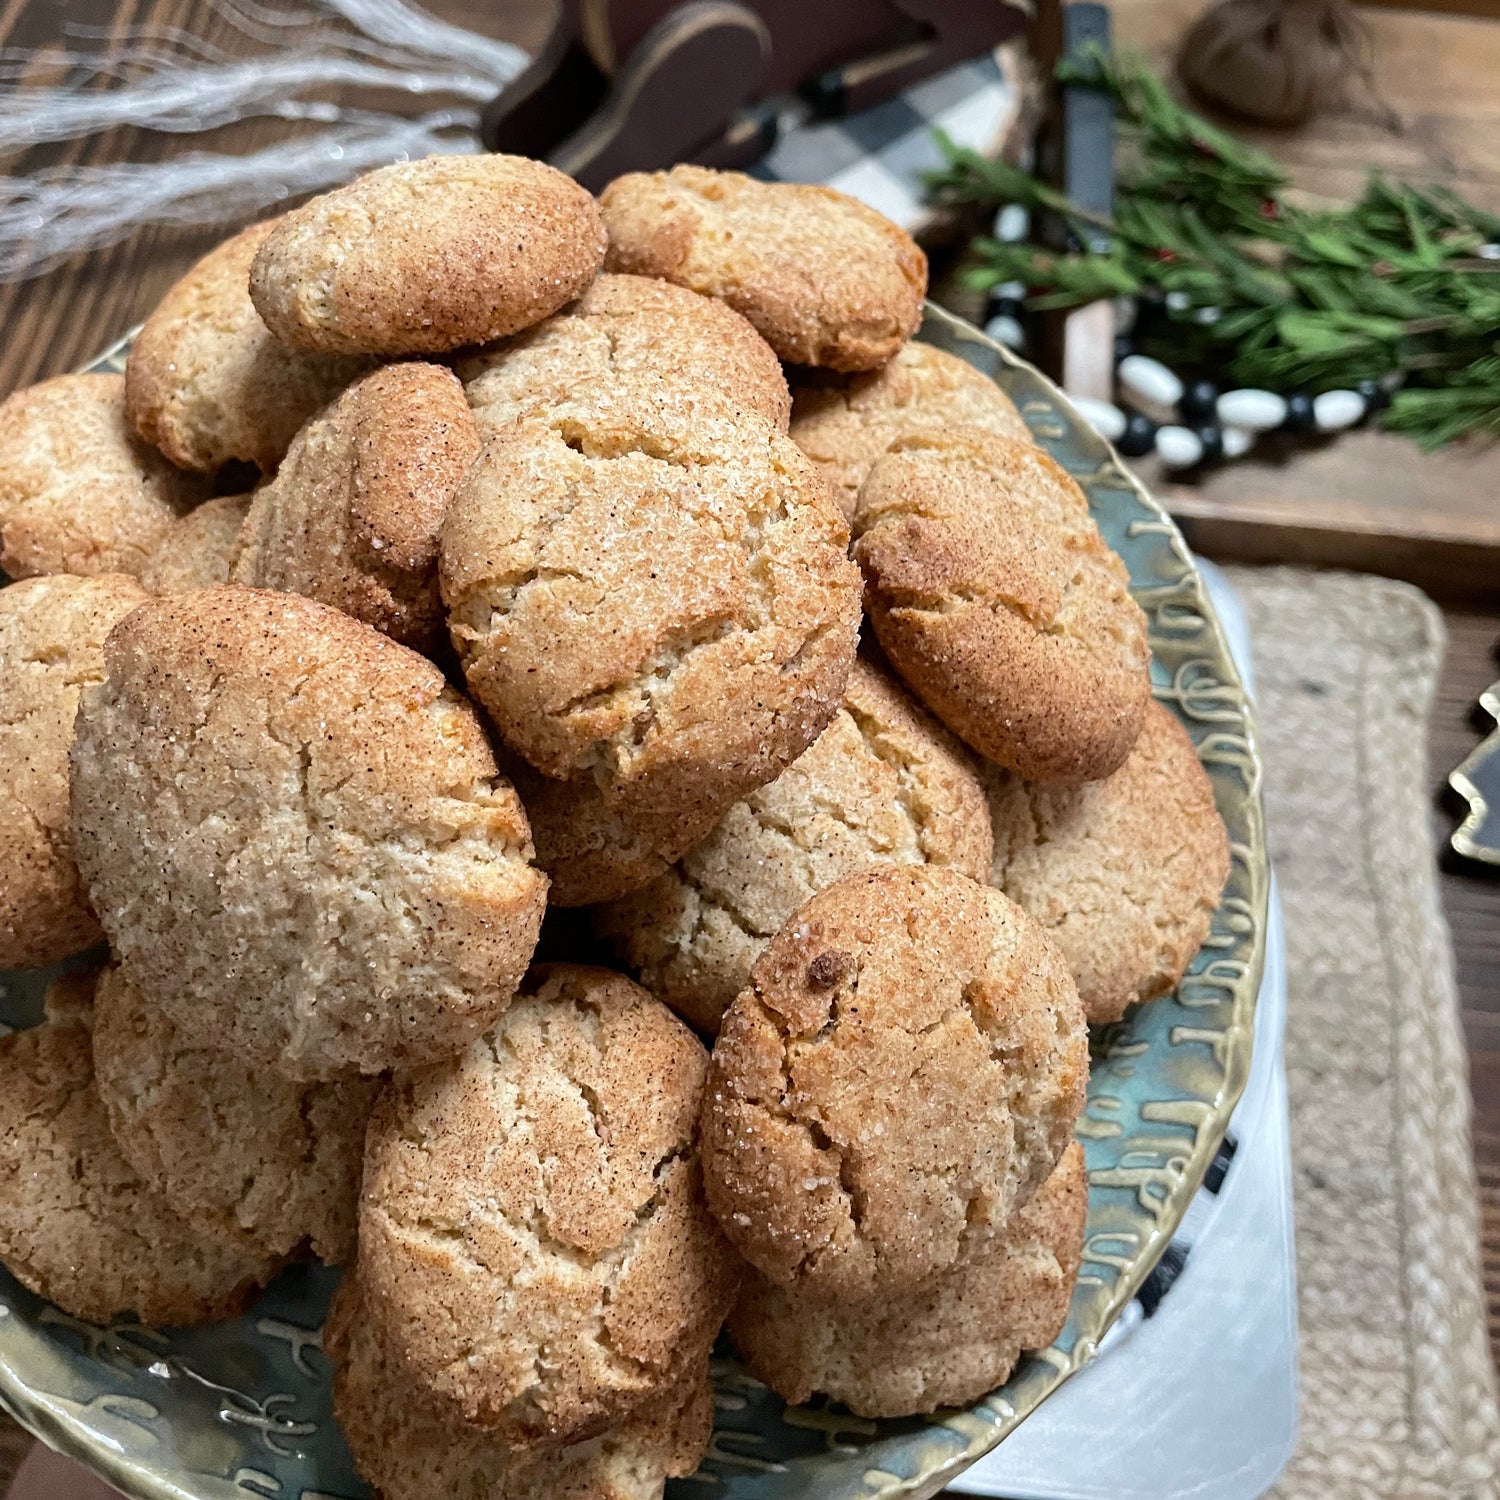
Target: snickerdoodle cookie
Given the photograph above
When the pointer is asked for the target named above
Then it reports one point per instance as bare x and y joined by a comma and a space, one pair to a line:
426, 256
52, 634
353, 515
79, 491
1123, 873
950, 1341
205, 380
825, 279
650, 586
591, 851
293, 832
230, 1144
408, 1453
845, 424
532, 1240
994, 596
903, 1073
77, 1225
199, 551
626, 327
884, 783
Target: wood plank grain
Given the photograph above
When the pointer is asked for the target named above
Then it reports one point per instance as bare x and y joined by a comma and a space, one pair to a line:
1471, 902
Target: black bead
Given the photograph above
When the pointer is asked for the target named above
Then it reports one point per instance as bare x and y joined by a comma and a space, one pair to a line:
1004, 307
1299, 412
826, 94
1198, 401
1377, 398
1213, 443
1124, 346
1139, 437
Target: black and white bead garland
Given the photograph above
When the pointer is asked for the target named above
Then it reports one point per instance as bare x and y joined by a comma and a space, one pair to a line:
1212, 425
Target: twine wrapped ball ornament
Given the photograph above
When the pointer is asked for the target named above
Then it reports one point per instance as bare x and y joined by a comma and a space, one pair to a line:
1274, 61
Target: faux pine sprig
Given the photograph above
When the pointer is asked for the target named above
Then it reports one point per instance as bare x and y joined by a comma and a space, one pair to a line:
1268, 293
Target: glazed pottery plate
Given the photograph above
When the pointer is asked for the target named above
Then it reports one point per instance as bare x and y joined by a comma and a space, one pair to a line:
242, 1408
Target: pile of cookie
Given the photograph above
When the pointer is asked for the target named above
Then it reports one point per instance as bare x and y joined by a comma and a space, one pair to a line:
539, 597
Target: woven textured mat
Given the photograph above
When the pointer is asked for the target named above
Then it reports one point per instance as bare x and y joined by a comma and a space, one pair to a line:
1397, 1387
1398, 1395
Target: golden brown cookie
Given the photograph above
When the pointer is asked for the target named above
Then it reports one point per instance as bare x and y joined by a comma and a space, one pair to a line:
591, 851
884, 783
77, 1225
354, 513
993, 594
1123, 873
825, 279
950, 1341
293, 832
226, 1143
651, 587
627, 328
205, 380
902, 1074
845, 424
533, 1243
426, 256
408, 1453
52, 634
198, 552
79, 492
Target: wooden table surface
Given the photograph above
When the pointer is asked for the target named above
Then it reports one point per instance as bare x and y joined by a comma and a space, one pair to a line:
54, 323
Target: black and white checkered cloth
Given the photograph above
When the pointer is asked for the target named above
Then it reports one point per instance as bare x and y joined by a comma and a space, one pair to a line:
880, 154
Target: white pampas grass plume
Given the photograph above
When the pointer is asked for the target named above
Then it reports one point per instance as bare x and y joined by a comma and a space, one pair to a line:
165, 80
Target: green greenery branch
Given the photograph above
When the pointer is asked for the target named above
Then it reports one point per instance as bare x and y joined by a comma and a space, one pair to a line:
1268, 293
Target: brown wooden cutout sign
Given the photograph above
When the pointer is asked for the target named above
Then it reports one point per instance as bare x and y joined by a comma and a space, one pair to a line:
626, 85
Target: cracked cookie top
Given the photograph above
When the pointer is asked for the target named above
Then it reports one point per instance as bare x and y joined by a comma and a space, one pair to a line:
353, 515
227, 1143
52, 634
884, 783
1124, 873
295, 837
406, 1452
532, 1238
207, 383
949, 1342
824, 278
77, 1224
649, 586
425, 256
79, 491
903, 1072
845, 424
991, 591
626, 328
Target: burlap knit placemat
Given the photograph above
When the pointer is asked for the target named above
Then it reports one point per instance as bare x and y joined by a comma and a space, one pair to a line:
1397, 1387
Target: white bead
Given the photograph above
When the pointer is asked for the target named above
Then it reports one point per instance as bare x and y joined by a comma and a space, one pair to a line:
1009, 291
1004, 329
1260, 411
1208, 316
1237, 441
1335, 410
1148, 379
1127, 309
1178, 446
1012, 223
1488, 252
1103, 416
1178, 302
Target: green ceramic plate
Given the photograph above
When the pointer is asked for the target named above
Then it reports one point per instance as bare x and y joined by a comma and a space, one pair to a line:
243, 1408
